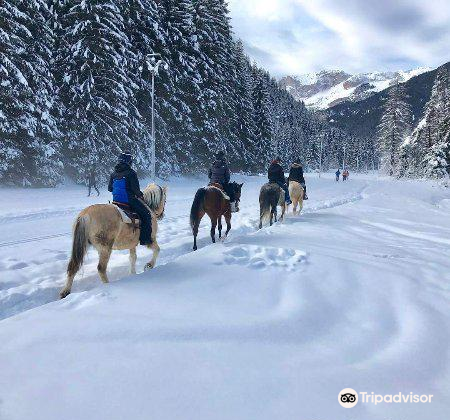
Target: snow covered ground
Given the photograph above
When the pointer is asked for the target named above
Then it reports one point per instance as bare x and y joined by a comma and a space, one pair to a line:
269, 324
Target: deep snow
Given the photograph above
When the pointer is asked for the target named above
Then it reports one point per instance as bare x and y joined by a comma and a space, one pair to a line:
269, 324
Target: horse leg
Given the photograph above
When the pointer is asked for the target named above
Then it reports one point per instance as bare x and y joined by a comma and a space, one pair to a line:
283, 209
133, 257
219, 225
295, 204
195, 227
155, 248
72, 270
261, 215
104, 253
275, 213
213, 229
228, 221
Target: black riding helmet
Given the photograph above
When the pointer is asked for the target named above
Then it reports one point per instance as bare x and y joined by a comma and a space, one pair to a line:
220, 154
126, 157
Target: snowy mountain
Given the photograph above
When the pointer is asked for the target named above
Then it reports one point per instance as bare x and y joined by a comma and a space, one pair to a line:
362, 118
330, 87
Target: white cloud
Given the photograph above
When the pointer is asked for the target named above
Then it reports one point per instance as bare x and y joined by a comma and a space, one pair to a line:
296, 36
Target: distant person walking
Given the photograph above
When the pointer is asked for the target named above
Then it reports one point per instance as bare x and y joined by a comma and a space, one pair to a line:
92, 181
345, 175
338, 174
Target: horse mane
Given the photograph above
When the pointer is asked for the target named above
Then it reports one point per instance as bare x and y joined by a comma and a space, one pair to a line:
155, 197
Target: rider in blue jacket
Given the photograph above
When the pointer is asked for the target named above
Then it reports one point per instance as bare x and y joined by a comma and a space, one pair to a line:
124, 185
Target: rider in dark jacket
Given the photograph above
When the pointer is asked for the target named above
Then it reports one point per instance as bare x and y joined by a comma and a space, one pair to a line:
220, 174
275, 174
124, 185
296, 174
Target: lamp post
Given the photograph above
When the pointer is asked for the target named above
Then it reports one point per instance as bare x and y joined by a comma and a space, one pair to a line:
320, 159
153, 61
343, 160
276, 134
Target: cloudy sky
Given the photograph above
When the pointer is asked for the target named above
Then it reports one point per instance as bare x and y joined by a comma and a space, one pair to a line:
299, 36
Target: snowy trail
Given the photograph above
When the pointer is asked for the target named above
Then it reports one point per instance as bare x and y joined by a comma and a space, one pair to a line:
268, 324
37, 280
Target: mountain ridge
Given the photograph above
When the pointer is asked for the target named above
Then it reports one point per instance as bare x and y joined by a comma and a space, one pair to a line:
361, 118
328, 88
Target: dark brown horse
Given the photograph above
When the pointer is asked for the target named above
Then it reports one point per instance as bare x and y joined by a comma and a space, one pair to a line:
215, 203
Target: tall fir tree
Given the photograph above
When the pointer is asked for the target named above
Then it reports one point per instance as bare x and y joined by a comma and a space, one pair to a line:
394, 127
427, 154
95, 88
210, 97
263, 134
28, 130
437, 115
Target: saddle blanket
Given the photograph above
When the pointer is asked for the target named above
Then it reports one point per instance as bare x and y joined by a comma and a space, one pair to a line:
134, 219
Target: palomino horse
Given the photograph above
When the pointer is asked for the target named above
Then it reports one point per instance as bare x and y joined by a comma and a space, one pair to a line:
213, 201
271, 195
101, 225
297, 194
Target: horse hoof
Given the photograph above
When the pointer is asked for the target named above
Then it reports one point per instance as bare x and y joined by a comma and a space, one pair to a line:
64, 293
194, 248
148, 266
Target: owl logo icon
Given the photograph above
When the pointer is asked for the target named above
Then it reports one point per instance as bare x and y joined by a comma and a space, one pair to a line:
348, 398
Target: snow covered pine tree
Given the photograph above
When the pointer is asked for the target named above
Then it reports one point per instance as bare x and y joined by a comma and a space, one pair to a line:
28, 130
394, 127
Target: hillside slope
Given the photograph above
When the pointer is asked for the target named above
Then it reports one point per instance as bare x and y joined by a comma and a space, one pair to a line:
362, 118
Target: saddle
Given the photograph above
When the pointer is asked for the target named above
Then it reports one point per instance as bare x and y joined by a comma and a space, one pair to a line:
219, 187
128, 215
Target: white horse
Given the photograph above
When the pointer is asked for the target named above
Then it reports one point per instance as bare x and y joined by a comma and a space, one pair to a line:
102, 226
297, 194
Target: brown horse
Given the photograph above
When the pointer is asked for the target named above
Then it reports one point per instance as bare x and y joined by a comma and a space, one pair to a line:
213, 201
101, 226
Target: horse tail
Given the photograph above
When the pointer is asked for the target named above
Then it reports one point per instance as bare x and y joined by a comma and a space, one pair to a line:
79, 245
264, 207
197, 206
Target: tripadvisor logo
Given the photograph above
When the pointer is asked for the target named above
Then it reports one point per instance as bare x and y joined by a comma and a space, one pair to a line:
348, 398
